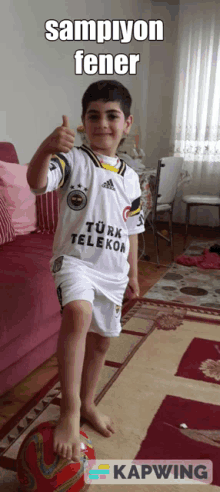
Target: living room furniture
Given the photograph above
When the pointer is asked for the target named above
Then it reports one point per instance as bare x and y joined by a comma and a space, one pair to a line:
196, 201
30, 312
167, 178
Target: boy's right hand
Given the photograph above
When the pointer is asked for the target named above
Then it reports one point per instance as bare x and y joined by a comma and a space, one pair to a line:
61, 140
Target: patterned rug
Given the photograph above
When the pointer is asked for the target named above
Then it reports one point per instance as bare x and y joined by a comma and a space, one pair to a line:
200, 439
201, 361
140, 372
189, 285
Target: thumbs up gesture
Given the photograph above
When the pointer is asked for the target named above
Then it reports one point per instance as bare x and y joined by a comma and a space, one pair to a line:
66, 122
61, 140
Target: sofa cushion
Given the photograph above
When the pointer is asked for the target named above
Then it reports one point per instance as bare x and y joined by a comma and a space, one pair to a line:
8, 152
20, 200
47, 211
7, 232
30, 311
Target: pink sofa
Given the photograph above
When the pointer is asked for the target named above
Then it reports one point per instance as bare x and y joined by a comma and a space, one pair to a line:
30, 313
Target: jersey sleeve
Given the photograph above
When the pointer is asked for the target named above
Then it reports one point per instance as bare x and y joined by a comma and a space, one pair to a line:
135, 221
59, 172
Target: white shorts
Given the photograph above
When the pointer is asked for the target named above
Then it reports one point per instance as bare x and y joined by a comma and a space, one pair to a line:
74, 283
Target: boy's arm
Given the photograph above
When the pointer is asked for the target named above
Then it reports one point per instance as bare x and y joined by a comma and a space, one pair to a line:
61, 140
133, 261
38, 168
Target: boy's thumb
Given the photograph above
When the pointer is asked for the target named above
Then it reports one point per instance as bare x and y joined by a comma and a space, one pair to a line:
66, 122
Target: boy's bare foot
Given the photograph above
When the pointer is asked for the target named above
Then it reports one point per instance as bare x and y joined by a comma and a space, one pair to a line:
102, 423
67, 436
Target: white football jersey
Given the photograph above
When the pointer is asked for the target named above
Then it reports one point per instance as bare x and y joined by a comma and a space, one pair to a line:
99, 209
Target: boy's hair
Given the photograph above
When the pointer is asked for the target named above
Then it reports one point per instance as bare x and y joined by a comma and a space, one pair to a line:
107, 90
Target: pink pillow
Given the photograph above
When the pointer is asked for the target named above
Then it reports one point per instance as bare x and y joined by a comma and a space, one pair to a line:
21, 202
7, 232
47, 211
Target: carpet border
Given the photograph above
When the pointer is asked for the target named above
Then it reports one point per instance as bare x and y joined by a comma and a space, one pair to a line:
203, 310
28, 406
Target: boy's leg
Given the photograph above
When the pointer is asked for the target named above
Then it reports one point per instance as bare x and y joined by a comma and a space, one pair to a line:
96, 349
76, 320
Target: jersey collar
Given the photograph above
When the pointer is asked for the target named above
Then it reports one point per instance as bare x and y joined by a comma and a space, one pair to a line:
97, 162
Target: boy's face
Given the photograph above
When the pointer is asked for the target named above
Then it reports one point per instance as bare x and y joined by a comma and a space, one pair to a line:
105, 125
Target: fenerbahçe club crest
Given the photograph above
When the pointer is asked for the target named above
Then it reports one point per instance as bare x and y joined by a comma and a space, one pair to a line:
76, 200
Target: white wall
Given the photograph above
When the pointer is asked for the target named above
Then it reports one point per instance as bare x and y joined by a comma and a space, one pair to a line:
38, 83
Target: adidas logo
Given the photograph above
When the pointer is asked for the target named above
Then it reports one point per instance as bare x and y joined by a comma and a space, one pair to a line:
109, 184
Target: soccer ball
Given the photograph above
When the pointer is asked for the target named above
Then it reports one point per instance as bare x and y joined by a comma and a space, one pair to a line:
39, 468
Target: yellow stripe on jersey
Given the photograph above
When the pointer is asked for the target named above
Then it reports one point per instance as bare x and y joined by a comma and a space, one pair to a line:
109, 167
62, 164
97, 163
134, 212
135, 207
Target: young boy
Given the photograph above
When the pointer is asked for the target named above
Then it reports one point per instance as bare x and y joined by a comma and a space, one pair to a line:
95, 248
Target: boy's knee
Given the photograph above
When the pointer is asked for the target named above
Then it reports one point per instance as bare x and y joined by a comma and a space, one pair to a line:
78, 314
78, 307
100, 344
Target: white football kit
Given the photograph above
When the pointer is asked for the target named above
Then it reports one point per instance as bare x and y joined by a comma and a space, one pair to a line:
99, 209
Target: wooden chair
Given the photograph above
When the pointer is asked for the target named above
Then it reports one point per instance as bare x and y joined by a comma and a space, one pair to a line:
168, 173
196, 201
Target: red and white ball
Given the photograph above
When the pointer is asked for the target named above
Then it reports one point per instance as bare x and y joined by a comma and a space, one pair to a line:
40, 469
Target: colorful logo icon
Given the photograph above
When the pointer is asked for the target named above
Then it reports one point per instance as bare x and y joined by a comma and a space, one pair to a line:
101, 472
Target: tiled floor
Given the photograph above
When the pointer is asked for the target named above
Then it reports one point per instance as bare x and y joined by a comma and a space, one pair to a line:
148, 274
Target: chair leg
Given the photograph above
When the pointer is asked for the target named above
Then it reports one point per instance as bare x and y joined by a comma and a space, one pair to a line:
187, 224
156, 242
157, 249
171, 234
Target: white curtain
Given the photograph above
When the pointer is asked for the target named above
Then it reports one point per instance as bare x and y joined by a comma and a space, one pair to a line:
196, 110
